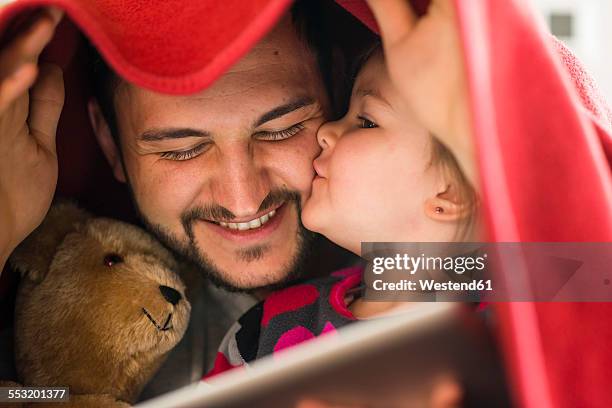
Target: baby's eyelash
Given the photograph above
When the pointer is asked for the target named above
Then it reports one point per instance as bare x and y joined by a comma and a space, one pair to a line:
281, 134
184, 154
366, 123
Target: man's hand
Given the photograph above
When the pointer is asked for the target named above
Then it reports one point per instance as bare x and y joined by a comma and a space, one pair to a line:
425, 62
28, 122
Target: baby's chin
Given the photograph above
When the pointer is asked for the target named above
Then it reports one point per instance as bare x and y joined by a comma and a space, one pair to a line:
353, 246
319, 216
335, 233
312, 215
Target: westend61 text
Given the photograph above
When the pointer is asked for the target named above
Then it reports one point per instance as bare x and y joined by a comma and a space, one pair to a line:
430, 285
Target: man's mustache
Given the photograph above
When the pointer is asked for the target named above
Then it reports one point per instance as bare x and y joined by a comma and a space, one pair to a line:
216, 212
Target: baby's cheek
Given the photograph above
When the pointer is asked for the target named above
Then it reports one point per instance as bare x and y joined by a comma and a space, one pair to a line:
354, 171
369, 186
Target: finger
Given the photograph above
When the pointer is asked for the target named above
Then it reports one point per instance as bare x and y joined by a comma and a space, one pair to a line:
56, 14
447, 393
46, 103
395, 18
311, 403
28, 45
16, 84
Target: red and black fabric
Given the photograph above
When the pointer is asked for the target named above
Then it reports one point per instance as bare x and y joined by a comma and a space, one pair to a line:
542, 134
288, 317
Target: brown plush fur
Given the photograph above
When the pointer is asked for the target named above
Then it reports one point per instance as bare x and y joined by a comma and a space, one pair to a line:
80, 323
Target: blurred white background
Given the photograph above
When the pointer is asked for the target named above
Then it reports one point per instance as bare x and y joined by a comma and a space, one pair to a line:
586, 27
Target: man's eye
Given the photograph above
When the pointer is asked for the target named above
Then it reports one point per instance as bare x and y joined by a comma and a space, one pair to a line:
185, 154
366, 123
281, 134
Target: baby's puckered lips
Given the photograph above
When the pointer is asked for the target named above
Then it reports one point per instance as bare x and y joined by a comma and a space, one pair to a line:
319, 167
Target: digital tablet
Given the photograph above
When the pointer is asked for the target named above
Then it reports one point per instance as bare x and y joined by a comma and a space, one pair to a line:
385, 362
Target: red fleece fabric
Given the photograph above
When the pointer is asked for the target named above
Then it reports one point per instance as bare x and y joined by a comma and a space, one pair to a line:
542, 132
545, 171
172, 46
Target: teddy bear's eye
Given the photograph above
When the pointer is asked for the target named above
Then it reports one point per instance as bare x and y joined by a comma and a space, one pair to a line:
112, 259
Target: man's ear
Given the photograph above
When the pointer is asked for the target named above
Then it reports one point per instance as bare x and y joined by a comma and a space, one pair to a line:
106, 140
33, 257
447, 205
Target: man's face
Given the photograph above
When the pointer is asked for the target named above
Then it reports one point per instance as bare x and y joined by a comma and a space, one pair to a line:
221, 175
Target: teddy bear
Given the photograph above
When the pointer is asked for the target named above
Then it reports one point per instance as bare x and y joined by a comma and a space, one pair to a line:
99, 306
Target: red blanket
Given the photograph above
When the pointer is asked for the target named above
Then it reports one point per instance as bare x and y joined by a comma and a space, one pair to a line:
543, 136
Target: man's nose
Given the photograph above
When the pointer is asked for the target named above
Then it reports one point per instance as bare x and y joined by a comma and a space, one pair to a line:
327, 135
241, 184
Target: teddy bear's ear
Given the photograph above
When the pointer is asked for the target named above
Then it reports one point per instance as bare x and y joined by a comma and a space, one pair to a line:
32, 258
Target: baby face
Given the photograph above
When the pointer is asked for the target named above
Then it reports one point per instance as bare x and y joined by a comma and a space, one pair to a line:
374, 179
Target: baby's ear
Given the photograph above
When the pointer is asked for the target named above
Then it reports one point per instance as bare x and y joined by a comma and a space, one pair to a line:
33, 257
448, 205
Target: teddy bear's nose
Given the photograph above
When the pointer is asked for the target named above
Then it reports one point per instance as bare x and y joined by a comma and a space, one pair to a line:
171, 295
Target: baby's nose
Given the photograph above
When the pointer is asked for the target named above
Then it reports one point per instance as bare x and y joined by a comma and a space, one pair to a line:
171, 295
327, 134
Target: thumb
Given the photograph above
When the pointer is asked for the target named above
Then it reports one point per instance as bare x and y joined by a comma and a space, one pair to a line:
395, 19
46, 103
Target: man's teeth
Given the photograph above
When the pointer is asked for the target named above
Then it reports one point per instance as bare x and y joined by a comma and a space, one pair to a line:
243, 226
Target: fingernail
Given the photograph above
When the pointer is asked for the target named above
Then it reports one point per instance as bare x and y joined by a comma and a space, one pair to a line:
56, 14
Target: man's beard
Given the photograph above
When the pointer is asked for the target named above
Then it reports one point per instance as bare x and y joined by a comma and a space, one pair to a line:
188, 251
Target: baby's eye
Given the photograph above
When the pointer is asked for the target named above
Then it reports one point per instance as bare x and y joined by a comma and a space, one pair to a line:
366, 123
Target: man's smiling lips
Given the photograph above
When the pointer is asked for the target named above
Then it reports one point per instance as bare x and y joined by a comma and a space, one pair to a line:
252, 224
254, 229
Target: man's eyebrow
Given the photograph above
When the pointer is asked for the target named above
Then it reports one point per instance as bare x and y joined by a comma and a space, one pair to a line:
155, 135
284, 109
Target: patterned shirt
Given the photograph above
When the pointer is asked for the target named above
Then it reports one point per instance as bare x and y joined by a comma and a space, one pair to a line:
288, 317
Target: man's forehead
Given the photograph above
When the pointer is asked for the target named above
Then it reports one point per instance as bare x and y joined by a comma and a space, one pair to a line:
281, 60
260, 86
282, 39
279, 70
280, 57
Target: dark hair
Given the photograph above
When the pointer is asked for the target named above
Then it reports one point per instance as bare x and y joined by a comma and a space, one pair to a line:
368, 52
104, 82
323, 26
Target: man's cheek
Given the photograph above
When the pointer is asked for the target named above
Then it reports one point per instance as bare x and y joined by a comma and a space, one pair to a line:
304, 154
163, 196
308, 147
290, 161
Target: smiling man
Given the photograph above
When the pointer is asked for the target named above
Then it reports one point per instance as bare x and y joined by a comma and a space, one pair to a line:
220, 176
